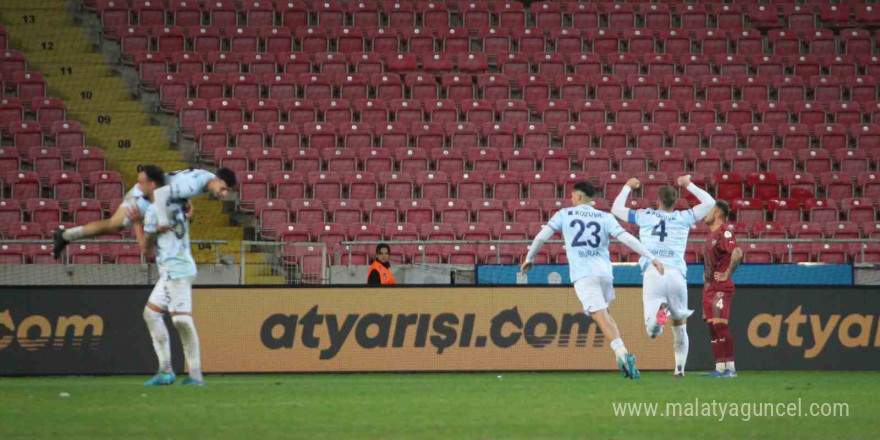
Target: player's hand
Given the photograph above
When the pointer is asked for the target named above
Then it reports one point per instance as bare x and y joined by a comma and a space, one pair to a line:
721, 276
525, 267
659, 266
133, 214
161, 229
189, 210
633, 183
684, 181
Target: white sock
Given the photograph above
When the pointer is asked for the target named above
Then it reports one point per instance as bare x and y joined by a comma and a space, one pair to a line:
729, 366
719, 367
73, 234
190, 339
159, 333
651, 327
680, 346
619, 348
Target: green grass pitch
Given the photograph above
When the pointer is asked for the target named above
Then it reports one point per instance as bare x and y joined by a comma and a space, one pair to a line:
447, 406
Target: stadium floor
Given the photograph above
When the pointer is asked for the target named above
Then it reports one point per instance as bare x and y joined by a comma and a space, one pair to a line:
477, 405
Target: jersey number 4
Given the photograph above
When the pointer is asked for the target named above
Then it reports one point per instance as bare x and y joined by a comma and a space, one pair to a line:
594, 240
660, 230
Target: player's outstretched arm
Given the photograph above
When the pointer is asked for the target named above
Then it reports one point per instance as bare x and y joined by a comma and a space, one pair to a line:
706, 200
619, 208
634, 244
542, 237
735, 258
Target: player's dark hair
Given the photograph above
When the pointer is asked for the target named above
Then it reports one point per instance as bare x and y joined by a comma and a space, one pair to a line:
381, 246
154, 174
723, 207
667, 195
585, 187
228, 176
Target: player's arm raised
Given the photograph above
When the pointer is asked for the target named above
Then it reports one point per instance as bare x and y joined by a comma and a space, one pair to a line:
542, 237
619, 208
706, 200
736, 256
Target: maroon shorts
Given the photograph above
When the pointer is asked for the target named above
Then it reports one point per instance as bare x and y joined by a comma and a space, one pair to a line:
717, 301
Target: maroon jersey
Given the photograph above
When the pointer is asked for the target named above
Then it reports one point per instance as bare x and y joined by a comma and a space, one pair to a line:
716, 256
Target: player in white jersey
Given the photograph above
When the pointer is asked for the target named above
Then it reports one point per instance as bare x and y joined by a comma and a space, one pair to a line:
664, 231
587, 232
173, 291
179, 185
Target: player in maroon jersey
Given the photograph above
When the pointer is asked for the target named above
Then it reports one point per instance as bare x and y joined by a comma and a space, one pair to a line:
721, 256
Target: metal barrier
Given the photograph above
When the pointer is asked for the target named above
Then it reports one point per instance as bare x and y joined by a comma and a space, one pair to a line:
92, 268
498, 245
271, 262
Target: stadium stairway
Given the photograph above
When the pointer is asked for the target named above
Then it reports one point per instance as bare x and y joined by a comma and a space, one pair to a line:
76, 71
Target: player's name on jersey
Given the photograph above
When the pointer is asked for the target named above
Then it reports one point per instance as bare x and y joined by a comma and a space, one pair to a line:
662, 253
593, 213
668, 216
589, 253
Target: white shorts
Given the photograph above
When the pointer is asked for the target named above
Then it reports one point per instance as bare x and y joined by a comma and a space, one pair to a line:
595, 293
670, 288
173, 296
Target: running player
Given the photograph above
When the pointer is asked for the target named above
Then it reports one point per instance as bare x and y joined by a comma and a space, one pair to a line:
173, 291
181, 185
586, 232
664, 232
721, 256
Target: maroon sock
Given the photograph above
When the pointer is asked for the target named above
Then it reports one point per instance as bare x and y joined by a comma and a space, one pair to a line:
725, 340
717, 349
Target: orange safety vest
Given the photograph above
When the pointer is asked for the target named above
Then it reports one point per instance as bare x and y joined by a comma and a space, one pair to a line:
384, 274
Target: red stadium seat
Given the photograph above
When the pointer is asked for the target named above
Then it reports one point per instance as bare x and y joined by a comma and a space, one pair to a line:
748, 211
252, 186
821, 210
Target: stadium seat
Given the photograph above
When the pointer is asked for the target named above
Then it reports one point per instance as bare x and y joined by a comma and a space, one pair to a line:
758, 253
821, 210
785, 211
858, 210
252, 186
416, 211
837, 185
306, 212
396, 185
764, 186
270, 215
801, 185
748, 211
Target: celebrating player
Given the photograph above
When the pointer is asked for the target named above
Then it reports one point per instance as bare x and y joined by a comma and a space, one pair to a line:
586, 232
664, 232
181, 185
173, 291
721, 256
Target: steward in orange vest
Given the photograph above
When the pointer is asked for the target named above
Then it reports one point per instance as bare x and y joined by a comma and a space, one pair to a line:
380, 271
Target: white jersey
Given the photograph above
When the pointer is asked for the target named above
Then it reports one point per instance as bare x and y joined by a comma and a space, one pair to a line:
184, 184
587, 233
173, 254
665, 234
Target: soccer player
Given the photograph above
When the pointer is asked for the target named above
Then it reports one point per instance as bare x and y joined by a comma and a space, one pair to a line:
181, 185
173, 292
721, 256
664, 232
586, 231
